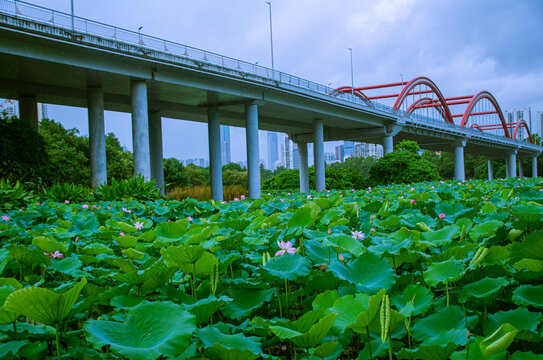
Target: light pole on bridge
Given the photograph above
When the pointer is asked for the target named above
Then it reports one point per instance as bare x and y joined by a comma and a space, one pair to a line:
271, 39
72, 8
352, 75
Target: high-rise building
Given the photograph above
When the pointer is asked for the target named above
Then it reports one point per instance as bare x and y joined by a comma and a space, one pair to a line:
515, 115
329, 157
348, 148
295, 156
273, 149
340, 153
366, 149
226, 155
286, 153
11, 108
537, 124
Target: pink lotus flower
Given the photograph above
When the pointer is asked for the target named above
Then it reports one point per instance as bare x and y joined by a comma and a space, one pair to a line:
242, 197
189, 218
223, 202
236, 199
126, 210
412, 189
358, 235
341, 257
85, 206
412, 201
372, 229
138, 225
66, 201
122, 233
54, 255
309, 196
286, 247
442, 216
5, 217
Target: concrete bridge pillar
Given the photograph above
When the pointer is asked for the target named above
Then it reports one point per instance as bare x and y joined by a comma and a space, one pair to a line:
253, 156
155, 149
28, 110
140, 129
318, 152
388, 144
459, 169
511, 164
215, 166
304, 172
534, 166
520, 168
97, 136
490, 170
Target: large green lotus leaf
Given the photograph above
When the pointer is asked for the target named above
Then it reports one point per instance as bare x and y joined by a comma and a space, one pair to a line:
325, 300
204, 308
486, 288
413, 300
48, 245
68, 266
532, 265
485, 230
530, 248
521, 318
304, 216
184, 254
344, 243
246, 301
300, 335
369, 272
519, 355
203, 266
475, 352
288, 266
96, 249
386, 246
499, 341
451, 211
6, 317
529, 215
326, 349
368, 314
24, 255
444, 272
5, 256
126, 241
330, 215
319, 255
442, 236
230, 347
133, 253
11, 282
429, 352
446, 323
348, 307
150, 331
199, 236
10, 349
529, 295
413, 220
167, 232
44, 305
85, 225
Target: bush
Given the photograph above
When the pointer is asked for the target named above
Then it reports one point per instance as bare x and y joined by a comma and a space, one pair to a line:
203, 192
70, 192
14, 196
174, 174
403, 166
234, 177
336, 178
136, 189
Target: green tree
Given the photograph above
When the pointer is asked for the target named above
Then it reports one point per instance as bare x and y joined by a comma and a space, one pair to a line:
233, 177
120, 163
23, 154
197, 175
360, 164
403, 165
175, 174
233, 166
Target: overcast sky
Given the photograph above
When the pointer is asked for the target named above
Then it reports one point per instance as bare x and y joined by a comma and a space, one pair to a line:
464, 46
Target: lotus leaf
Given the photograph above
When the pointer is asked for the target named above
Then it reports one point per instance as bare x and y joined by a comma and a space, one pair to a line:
48, 245
306, 333
204, 308
414, 300
150, 331
344, 243
529, 295
429, 352
230, 347
525, 321
288, 266
447, 323
173, 231
484, 288
246, 301
444, 272
499, 341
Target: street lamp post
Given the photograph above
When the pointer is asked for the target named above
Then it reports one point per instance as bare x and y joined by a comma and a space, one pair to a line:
72, 7
271, 39
139, 34
352, 75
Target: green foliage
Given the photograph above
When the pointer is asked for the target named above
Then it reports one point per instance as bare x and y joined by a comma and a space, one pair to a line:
197, 175
360, 164
336, 178
135, 188
408, 145
120, 163
234, 177
14, 196
233, 167
174, 174
23, 155
403, 166
71, 192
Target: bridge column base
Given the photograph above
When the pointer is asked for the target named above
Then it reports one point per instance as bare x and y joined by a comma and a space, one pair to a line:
534, 166
520, 168
97, 136
510, 164
28, 110
215, 166
140, 129
459, 169
156, 150
253, 157
304, 172
318, 152
388, 144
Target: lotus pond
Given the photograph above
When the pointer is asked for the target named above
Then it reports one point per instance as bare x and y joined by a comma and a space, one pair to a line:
448, 270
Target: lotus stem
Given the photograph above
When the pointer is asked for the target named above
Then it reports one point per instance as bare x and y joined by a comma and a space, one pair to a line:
389, 347
447, 288
279, 301
58, 341
369, 341
286, 296
15, 328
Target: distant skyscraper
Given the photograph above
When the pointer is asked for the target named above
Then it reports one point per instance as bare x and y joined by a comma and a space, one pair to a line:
11, 108
226, 156
348, 148
365, 150
538, 124
340, 153
286, 153
295, 156
329, 157
273, 149
515, 115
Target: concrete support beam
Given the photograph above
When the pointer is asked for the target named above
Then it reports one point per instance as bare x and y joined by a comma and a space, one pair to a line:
304, 172
490, 170
459, 169
534, 166
140, 129
155, 149
511, 164
97, 136
520, 168
388, 144
215, 166
253, 156
28, 110
318, 152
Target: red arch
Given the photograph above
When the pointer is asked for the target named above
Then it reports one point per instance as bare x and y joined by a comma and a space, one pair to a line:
478, 97
424, 81
347, 89
425, 101
519, 124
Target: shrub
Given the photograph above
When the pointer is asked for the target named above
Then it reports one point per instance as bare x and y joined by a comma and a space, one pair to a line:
14, 196
203, 192
403, 166
234, 177
70, 192
336, 178
174, 174
135, 188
